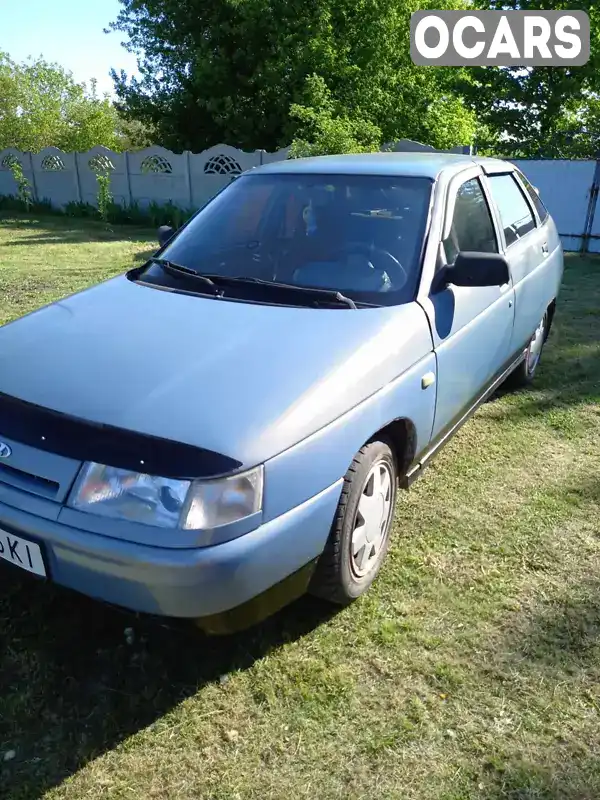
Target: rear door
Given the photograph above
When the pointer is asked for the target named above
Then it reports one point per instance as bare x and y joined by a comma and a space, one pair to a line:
529, 243
472, 327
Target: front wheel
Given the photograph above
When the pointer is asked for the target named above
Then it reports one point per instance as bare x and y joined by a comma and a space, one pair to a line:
360, 534
525, 372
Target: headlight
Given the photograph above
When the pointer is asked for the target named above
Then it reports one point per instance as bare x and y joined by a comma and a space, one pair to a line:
167, 503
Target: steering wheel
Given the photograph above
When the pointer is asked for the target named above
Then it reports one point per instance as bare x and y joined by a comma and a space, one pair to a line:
395, 271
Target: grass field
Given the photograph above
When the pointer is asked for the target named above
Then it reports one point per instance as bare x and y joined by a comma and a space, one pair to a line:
470, 671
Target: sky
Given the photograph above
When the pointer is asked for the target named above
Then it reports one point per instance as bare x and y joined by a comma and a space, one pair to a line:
69, 32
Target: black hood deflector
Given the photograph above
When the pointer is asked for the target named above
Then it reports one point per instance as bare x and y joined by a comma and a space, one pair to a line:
83, 440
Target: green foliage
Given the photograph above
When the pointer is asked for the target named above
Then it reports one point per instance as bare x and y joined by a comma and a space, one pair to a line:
9, 202
79, 210
41, 106
549, 112
154, 215
449, 123
134, 134
324, 128
168, 214
128, 214
243, 72
23, 186
104, 197
331, 75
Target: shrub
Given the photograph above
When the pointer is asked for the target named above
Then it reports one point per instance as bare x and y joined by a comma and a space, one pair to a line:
324, 127
131, 214
104, 197
80, 209
23, 187
10, 202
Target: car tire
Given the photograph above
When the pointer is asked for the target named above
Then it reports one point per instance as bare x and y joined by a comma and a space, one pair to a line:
524, 374
360, 534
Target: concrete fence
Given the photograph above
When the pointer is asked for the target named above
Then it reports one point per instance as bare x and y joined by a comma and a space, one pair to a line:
186, 179
570, 189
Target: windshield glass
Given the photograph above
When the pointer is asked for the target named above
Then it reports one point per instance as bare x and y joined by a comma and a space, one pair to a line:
361, 235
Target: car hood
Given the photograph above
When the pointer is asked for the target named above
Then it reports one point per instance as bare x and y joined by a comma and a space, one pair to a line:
242, 379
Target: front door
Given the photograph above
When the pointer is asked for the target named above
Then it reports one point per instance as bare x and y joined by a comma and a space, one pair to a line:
471, 326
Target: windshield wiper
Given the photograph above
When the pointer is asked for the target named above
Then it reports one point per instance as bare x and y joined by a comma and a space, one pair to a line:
214, 280
327, 295
178, 269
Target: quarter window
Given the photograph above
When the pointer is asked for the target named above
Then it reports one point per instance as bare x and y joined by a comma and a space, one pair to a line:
472, 227
535, 198
515, 213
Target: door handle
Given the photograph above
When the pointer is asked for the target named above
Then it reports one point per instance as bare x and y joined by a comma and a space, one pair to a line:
427, 380
545, 249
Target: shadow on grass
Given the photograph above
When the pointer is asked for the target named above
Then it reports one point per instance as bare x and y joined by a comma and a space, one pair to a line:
549, 755
565, 634
144, 255
575, 776
83, 235
71, 687
569, 372
557, 643
70, 230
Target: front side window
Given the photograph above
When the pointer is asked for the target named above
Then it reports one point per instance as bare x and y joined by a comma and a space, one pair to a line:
472, 227
361, 235
515, 213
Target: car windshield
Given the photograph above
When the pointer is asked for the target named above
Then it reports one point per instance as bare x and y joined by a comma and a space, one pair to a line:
360, 235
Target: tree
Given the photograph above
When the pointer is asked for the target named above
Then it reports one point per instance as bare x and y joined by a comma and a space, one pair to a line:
324, 128
133, 134
41, 106
539, 111
257, 73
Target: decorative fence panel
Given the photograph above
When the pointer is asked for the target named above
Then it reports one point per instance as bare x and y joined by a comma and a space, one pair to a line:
156, 175
214, 168
8, 184
55, 176
99, 159
159, 176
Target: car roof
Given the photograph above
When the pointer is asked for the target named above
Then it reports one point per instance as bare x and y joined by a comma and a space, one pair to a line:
421, 164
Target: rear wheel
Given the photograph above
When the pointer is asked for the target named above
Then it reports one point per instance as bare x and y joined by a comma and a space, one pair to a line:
360, 533
526, 371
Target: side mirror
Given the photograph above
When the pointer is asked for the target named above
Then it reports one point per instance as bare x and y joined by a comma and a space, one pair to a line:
165, 232
478, 269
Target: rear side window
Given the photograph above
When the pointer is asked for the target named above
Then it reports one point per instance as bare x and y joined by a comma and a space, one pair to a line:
535, 198
515, 213
472, 227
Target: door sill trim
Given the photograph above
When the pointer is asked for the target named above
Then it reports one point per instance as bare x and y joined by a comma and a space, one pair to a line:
415, 472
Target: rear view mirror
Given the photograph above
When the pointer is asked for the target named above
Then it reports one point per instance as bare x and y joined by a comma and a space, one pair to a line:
165, 232
478, 269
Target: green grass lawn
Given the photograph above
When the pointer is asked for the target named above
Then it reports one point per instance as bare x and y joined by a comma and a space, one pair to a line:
471, 669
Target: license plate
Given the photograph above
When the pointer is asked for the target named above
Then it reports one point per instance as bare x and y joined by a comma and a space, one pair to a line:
22, 553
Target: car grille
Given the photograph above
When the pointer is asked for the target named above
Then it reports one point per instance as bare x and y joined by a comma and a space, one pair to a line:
26, 482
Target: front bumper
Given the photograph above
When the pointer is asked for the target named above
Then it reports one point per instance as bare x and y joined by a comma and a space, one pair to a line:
188, 583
